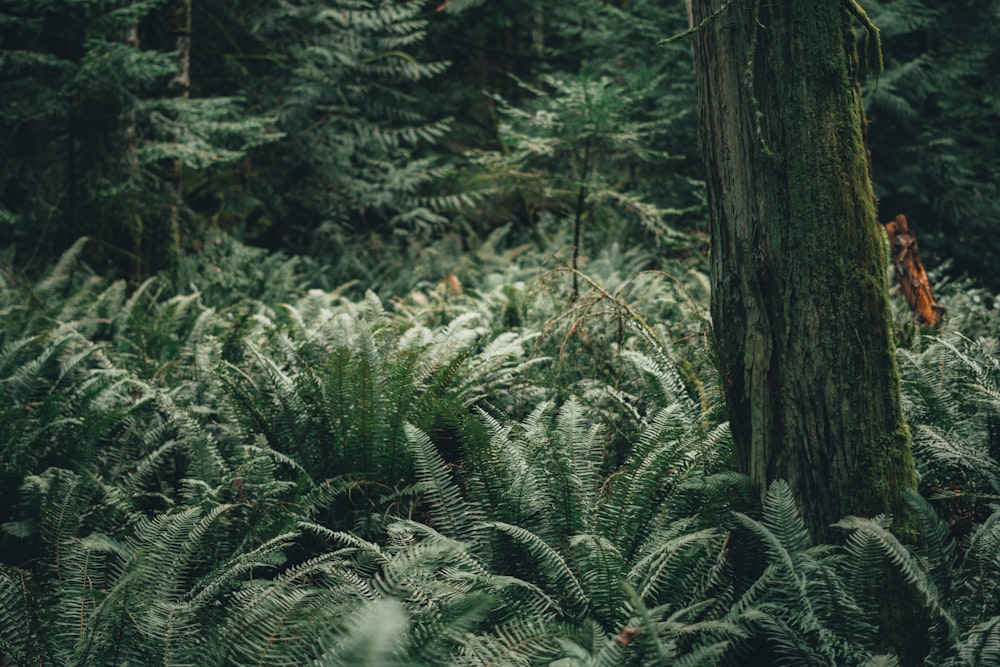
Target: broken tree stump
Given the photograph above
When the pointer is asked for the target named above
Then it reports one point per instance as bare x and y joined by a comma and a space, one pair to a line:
911, 275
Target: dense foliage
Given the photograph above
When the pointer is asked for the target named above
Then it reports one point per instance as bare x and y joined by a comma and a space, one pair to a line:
150, 124
226, 470
458, 406
304, 126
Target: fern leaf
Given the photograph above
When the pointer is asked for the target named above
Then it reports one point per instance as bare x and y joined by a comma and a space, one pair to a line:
374, 635
550, 565
670, 564
15, 630
449, 512
909, 566
602, 573
980, 646
781, 516
60, 273
578, 455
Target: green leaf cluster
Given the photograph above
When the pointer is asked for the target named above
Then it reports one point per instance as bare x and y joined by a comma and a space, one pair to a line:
98, 132
196, 477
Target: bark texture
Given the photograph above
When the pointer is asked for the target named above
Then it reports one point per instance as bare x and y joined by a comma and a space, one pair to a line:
121, 163
799, 295
799, 300
910, 273
179, 22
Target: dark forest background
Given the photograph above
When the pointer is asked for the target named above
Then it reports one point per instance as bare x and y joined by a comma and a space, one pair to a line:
338, 129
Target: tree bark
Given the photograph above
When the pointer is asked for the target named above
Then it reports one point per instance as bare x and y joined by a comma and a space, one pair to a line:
122, 163
179, 23
799, 294
910, 273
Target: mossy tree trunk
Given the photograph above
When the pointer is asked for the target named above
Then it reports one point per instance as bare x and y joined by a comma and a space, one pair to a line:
799, 294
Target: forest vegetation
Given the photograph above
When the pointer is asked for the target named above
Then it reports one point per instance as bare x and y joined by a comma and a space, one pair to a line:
365, 332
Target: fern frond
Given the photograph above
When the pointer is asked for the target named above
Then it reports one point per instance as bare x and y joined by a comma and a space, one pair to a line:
908, 565
650, 633
981, 568
375, 634
937, 546
223, 577
786, 546
802, 601
663, 381
56, 493
15, 615
882, 661
549, 564
576, 455
981, 644
284, 621
708, 654
523, 641
864, 565
123, 316
665, 573
602, 572
60, 273
448, 510
659, 461
781, 516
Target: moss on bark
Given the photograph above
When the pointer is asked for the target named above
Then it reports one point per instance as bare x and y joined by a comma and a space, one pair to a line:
799, 298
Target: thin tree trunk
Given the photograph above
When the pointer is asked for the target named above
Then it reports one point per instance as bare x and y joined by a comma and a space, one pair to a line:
179, 22
799, 294
123, 165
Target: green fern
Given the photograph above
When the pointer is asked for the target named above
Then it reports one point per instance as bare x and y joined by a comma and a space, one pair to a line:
447, 510
801, 604
375, 635
16, 621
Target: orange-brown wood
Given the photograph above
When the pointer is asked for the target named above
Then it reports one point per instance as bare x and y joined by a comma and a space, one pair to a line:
910, 273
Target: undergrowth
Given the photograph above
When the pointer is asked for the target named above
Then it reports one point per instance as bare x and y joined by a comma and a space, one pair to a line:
244, 463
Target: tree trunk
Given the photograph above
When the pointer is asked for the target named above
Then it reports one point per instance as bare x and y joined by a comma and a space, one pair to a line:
799, 295
179, 23
122, 164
